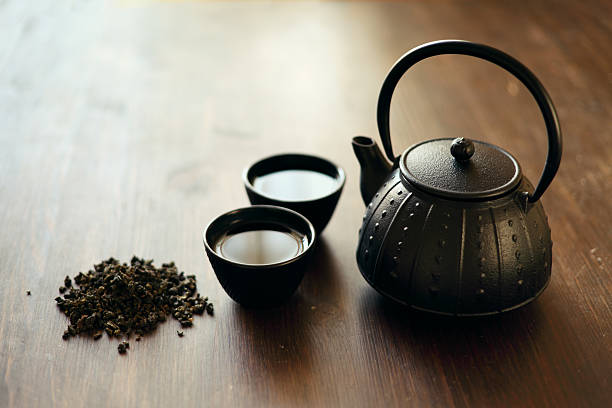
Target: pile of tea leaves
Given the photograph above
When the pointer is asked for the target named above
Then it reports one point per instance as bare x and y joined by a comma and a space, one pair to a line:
124, 300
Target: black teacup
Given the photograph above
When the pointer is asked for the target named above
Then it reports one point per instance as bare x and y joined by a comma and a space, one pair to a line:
307, 184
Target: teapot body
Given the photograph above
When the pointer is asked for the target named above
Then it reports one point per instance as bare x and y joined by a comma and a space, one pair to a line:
456, 257
455, 227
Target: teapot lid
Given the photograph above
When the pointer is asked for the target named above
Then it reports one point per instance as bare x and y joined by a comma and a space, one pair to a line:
460, 168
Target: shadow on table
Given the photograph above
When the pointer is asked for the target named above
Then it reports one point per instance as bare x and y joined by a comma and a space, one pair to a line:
277, 342
274, 342
322, 284
484, 353
399, 317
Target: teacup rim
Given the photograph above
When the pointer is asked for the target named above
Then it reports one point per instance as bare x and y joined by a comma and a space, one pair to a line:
341, 177
307, 249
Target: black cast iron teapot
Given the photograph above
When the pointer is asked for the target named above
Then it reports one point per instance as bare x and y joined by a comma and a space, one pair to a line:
452, 226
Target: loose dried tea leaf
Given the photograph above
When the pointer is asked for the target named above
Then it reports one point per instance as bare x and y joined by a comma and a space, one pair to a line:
122, 299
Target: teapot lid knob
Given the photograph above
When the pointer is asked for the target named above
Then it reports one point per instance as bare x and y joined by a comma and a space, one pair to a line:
462, 149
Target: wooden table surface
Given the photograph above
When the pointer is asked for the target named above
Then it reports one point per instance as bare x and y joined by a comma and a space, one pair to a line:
124, 129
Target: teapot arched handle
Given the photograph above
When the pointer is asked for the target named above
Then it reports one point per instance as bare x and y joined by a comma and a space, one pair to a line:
497, 57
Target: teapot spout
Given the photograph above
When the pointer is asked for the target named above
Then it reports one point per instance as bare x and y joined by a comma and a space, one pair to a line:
374, 167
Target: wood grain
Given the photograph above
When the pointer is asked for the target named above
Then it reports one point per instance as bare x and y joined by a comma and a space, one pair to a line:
124, 128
